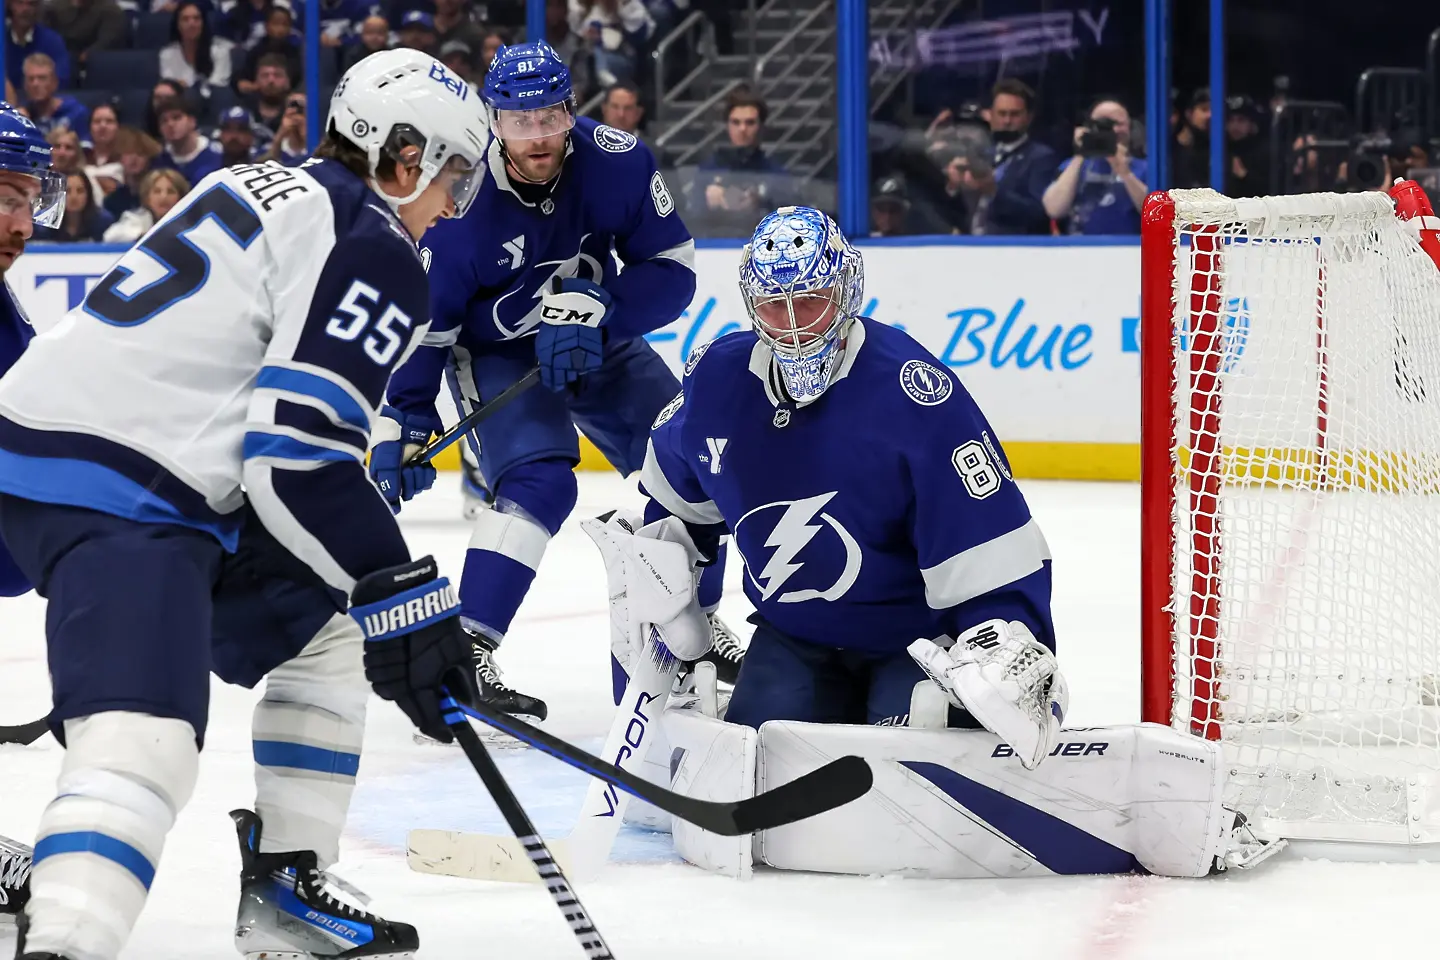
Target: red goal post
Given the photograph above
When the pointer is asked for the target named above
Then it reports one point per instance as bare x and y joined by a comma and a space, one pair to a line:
1290, 472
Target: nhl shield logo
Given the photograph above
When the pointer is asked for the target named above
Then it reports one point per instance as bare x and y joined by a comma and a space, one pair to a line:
425, 258
925, 383
547, 206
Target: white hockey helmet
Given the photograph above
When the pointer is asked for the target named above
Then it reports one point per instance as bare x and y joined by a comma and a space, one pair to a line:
400, 98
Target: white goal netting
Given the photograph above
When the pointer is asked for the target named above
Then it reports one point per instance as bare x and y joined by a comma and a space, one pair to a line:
1306, 516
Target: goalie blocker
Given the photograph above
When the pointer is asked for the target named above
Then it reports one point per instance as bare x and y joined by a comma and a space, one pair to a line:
959, 804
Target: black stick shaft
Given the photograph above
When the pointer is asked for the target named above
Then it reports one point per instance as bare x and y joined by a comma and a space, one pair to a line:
581, 925
25, 733
475, 417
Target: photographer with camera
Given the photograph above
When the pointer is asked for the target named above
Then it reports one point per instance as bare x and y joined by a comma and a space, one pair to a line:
1101, 188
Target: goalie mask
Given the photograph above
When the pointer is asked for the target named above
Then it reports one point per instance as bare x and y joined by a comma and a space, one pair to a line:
802, 282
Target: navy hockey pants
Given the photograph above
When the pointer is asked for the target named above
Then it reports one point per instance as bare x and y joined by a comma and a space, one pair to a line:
614, 406
783, 678
140, 613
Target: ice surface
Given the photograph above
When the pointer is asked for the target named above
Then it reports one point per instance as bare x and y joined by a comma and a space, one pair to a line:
648, 904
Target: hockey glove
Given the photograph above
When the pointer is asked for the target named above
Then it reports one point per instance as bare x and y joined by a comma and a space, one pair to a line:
1007, 680
570, 342
411, 620
398, 436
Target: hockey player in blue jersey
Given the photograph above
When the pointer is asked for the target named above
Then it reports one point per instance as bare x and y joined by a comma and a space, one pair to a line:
204, 505
869, 500
530, 279
30, 193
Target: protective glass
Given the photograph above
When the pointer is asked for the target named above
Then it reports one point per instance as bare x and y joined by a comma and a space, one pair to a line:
533, 124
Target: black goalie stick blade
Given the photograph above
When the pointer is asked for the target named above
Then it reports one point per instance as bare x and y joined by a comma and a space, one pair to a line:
832, 785
25, 733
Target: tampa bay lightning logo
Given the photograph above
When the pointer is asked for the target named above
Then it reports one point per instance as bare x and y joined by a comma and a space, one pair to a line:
613, 140
517, 312
925, 383
796, 543
695, 355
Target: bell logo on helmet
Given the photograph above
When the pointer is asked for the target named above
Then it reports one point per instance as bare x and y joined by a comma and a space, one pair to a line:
455, 85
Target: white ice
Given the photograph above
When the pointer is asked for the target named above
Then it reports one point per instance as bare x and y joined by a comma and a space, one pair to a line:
650, 905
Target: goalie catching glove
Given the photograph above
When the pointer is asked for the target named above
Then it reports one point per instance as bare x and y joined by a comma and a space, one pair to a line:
1007, 680
413, 642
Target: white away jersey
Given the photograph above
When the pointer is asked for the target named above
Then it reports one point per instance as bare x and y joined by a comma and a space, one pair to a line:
245, 341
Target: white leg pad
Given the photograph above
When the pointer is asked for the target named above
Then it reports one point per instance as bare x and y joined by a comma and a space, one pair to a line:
712, 760
308, 729
124, 779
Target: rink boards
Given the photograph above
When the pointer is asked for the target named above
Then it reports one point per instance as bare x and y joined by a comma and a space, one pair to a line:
1044, 333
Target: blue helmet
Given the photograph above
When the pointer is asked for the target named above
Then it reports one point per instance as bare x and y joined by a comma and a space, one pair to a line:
527, 76
23, 149
803, 284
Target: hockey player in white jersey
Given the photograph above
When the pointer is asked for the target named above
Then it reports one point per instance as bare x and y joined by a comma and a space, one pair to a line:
874, 509
181, 475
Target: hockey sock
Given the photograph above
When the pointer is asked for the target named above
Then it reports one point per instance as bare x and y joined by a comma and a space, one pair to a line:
307, 732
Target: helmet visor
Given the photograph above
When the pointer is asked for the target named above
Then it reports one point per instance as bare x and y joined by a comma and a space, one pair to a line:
797, 324
533, 124
461, 179
38, 193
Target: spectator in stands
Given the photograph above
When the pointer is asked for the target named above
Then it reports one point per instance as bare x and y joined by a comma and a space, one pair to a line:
623, 110
459, 59
1190, 151
86, 25
102, 153
26, 36
417, 32
1249, 165
193, 53
289, 147
160, 190
163, 92
490, 45
85, 220
455, 20
616, 30
185, 149
280, 40
137, 150
569, 46
738, 177
1100, 193
1008, 191
244, 20
374, 37
272, 86
47, 109
890, 208
340, 19
66, 154
237, 137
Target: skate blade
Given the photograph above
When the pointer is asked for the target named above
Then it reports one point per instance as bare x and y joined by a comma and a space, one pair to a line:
300, 955
492, 738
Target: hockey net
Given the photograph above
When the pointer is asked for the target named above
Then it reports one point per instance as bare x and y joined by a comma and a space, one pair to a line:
1291, 487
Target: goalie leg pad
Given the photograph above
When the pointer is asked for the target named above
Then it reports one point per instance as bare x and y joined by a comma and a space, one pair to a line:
307, 732
124, 778
711, 760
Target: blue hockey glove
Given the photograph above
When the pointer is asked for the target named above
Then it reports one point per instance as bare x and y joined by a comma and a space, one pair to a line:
399, 435
570, 342
411, 620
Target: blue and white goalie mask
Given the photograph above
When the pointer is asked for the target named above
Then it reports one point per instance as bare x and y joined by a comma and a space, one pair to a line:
802, 282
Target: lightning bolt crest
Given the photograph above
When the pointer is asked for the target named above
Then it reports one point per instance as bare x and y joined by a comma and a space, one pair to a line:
788, 538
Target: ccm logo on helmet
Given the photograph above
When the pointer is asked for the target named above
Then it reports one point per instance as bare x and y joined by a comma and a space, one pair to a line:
455, 85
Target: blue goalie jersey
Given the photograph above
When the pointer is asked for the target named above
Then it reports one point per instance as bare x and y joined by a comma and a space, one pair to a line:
882, 512
488, 270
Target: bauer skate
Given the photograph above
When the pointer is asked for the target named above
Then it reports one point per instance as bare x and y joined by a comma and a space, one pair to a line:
16, 859
497, 694
725, 653
287, 913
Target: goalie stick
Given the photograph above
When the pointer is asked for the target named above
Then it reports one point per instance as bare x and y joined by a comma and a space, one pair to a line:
25, 733
554, 879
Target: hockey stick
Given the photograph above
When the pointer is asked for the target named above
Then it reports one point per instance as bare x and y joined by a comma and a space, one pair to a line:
25, 733
473, 419
824, 788
580, 924
497, 857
